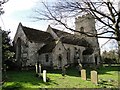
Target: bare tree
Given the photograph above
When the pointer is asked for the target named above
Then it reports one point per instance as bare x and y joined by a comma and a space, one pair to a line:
1, 8
105, 13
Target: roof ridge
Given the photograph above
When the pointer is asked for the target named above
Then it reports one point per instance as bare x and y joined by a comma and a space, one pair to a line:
60, 30
32, 28
36, 35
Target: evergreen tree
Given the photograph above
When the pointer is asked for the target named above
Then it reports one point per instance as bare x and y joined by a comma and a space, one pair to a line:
7, 48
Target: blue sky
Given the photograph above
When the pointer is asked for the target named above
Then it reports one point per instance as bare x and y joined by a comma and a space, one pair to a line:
21, 11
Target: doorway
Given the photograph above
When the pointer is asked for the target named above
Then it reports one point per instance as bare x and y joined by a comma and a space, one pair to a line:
95, 60
60, 61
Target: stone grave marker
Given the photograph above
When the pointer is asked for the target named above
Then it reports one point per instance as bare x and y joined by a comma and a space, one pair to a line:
94, 77
83, 74
39, 73
44, 75
80, 66
36, 68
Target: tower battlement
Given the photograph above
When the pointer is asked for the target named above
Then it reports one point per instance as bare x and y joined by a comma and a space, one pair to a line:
86, 16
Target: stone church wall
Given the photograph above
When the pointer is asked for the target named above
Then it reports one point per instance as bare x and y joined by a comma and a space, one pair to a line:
32, 52
21, 55
46, 59
59, 56
73, 54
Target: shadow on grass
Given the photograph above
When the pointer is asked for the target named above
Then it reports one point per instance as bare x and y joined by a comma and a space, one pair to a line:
15, 86
104, 70
18, 79
105, 84
72, 71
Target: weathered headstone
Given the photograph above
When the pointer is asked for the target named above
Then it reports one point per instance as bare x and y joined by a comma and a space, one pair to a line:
80, 66
83, 74
94, 77
44, 75
39, 70
36, 67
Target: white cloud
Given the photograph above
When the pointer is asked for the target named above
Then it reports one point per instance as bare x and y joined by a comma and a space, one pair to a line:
18, 5
8, 20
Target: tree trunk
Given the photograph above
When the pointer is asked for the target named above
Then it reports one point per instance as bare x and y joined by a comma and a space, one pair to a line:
119, 52
0, 58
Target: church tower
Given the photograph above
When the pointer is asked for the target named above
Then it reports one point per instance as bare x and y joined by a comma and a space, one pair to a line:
86, 23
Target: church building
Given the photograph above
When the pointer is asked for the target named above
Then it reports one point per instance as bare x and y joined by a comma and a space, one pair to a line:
55, 48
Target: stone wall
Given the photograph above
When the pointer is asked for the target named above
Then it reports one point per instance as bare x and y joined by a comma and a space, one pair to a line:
61, 49
59, 56
32, 52
46, 59
21, 50
73, 54
29, 50
20, 34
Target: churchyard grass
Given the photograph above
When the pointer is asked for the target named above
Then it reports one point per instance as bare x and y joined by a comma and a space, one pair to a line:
108, 78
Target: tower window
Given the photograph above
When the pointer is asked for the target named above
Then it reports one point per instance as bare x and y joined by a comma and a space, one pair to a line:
82, 29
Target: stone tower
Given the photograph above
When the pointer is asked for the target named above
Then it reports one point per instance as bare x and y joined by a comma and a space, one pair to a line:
86, 23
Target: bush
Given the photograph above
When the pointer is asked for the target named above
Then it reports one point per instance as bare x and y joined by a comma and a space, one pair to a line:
11, 65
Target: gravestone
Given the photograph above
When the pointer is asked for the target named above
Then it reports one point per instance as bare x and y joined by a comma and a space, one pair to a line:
39, 73
83, 74
44, 75
94, 77
36, 68
80, 66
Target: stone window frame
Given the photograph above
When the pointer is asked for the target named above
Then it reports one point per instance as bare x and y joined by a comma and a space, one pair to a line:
82, 29
46, 57
60, 57
68, 55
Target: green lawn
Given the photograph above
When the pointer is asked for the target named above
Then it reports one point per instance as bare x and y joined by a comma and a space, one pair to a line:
108, 78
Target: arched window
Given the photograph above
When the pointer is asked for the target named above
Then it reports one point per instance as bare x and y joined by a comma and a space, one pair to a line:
82, 29
60, 61
18, 49
95, 60
75, 54
68, 56
79, 52
18, 52
47, 58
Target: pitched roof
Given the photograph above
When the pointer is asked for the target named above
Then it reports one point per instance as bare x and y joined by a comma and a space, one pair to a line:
47, 48
61, 33
37, 35
74, 40
71, 38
